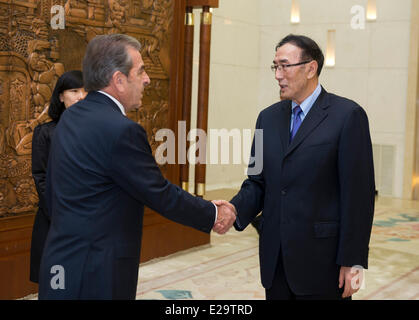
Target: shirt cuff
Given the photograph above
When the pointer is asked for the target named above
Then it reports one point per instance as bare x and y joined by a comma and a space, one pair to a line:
216, 212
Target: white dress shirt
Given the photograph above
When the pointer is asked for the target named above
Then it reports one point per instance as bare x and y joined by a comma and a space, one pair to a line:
120, 106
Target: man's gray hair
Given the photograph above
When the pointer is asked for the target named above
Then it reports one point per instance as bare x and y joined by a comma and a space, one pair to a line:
104, 55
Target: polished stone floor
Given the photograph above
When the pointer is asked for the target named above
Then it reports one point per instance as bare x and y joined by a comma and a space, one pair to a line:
228, 268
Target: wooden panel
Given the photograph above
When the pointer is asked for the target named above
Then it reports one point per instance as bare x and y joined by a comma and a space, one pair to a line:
202, 3
15, 241
166, 238
33, 56
161, 237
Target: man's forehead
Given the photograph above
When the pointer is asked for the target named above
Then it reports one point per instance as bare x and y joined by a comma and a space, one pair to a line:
286, 51
135, 55
140, 62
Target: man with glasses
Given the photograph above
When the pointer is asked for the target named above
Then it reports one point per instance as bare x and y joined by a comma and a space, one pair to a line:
317, 186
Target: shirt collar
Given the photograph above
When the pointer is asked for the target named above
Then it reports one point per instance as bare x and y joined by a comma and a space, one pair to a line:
309, 101
120, 106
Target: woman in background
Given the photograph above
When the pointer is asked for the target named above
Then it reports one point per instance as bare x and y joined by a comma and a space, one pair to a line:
68, 90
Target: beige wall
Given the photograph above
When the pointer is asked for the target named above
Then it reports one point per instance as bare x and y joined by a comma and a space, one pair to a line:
411, 169
372, 67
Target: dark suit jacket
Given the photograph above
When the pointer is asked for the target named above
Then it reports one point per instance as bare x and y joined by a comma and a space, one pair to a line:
317, 193
101, 173
41, 142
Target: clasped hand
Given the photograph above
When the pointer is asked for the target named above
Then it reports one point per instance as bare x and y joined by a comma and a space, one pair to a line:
226, 216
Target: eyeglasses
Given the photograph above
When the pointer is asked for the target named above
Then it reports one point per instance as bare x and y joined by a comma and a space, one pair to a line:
284, 67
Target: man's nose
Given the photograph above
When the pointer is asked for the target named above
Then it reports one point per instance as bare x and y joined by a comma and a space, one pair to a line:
147, 80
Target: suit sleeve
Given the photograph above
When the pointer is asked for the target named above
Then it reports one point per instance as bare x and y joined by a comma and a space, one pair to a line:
40, 151
249, 200
134, 168
357, 190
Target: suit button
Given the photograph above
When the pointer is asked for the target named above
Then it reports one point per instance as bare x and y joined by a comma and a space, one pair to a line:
284, 192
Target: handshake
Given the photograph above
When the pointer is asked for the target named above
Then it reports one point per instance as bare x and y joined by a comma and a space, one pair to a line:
226, 216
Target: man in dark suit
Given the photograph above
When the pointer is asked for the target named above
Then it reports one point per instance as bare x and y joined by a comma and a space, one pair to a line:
101, 173
316, 189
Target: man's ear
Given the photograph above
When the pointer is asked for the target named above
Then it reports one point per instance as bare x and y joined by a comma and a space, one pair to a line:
312, 72
118, 80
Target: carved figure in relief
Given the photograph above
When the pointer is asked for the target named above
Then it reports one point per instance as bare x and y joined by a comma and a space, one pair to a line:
26, 194
17, 131
40, 29
151, 119
22, 135
76, 8
161, 20
147, 4
43, 73
92, 9
117, 13
27, 32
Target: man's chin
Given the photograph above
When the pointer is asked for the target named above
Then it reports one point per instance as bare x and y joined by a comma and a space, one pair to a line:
283, 96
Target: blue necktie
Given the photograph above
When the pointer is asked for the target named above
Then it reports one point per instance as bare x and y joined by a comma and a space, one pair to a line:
296, 121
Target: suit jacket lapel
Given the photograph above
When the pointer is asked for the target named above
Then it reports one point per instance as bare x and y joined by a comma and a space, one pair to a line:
315, 116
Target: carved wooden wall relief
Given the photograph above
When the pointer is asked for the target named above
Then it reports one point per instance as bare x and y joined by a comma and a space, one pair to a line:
33, 56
